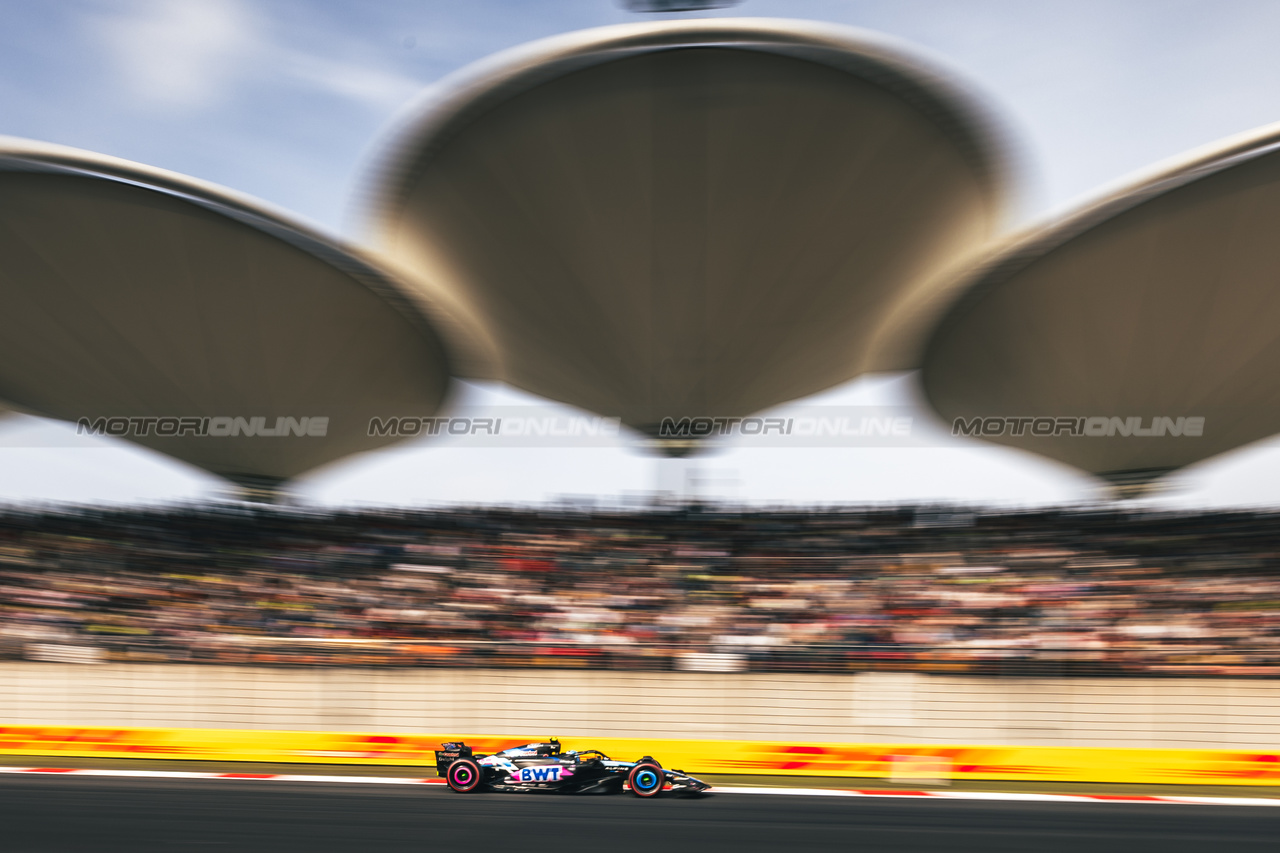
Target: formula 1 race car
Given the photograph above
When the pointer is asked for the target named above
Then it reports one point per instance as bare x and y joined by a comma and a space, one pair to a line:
544, 767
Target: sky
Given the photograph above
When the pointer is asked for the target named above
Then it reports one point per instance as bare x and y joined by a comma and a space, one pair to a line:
290, 101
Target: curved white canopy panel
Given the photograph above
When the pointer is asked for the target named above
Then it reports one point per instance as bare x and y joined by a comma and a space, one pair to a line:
689, 218
1151, 317
162, 309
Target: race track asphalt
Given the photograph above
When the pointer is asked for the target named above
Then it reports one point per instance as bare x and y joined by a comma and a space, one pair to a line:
52, 814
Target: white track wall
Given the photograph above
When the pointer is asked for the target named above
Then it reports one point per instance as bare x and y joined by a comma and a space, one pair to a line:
864, 707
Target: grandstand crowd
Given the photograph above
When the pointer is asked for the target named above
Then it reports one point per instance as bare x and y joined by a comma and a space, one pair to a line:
1107, 592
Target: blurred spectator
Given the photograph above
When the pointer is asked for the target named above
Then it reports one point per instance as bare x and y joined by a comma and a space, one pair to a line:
1063, 592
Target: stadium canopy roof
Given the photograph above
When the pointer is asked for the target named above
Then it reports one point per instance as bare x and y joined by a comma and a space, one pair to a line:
131, 292
1159, 301
690, 218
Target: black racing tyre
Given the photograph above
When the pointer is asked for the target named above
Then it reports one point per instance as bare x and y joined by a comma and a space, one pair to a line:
464, 776
646, 779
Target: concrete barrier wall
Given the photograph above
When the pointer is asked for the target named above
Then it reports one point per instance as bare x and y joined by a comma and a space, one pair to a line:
858, 708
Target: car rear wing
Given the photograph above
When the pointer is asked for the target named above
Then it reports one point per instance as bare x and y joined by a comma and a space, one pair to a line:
450, 753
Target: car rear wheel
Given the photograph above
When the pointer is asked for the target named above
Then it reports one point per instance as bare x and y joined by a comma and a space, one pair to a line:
646, 779
464, 775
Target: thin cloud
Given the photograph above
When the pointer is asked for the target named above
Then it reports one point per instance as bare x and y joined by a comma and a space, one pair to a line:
177, 54
197, 54
353, 81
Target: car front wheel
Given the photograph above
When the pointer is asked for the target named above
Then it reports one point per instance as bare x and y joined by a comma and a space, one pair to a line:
646, 779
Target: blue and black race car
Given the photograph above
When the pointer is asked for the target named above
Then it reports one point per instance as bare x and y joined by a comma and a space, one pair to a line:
545, 767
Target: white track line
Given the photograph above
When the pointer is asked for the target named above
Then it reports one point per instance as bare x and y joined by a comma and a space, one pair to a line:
791, 792
1009, 796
